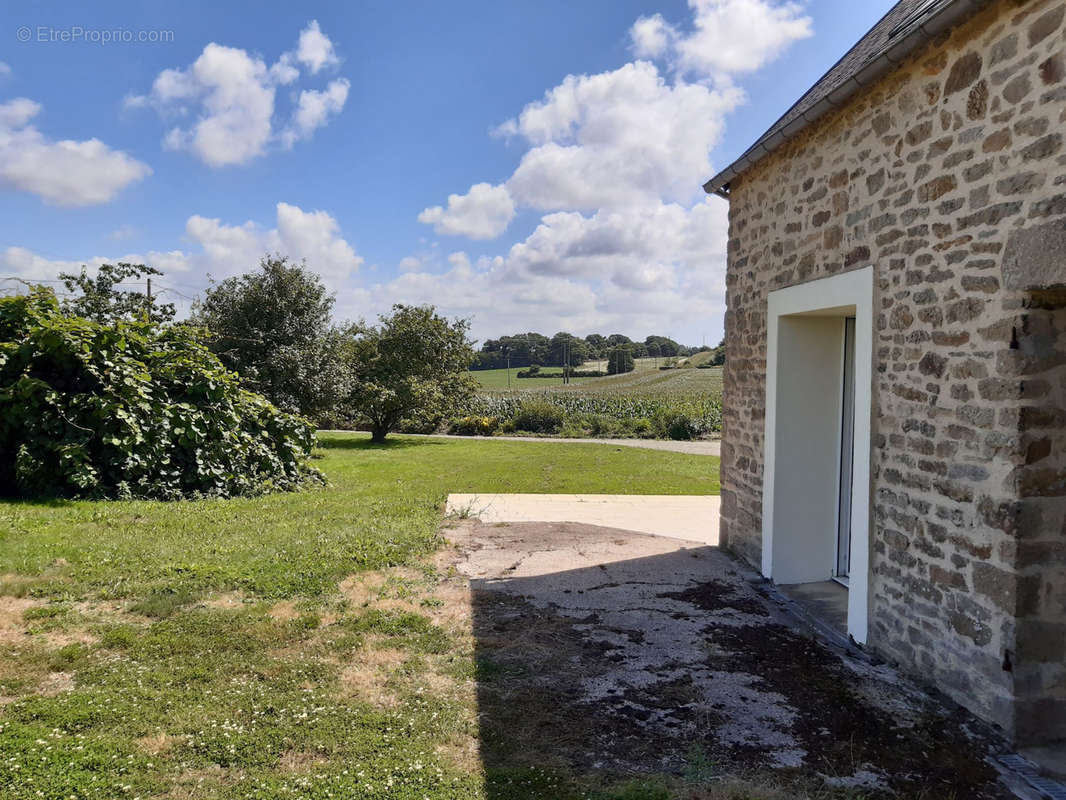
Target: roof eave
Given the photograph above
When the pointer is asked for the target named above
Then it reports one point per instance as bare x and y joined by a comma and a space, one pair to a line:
871, 72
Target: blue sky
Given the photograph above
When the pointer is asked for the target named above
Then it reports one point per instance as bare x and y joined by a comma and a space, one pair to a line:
574, 137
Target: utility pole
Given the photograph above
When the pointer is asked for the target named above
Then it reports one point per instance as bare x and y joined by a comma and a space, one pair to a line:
148, 298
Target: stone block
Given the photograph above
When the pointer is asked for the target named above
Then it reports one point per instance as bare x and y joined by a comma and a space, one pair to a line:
1035, 257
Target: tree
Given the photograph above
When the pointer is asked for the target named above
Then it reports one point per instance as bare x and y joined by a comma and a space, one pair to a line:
413, 364
620, 360
273, 327
597, 343
520, 350
567, 350
718, 358
99, 300
666, 347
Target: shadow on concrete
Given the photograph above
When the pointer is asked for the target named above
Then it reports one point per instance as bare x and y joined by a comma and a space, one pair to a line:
677, 662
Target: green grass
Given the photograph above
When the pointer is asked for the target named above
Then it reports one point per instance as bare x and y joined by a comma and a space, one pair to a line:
668, 383
204, 649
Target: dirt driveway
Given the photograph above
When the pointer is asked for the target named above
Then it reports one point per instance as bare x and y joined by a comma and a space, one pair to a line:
605, 650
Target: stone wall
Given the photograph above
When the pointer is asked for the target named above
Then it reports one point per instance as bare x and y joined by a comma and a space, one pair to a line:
949, 175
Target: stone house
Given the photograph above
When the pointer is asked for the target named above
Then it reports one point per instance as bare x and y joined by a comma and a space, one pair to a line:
895, 380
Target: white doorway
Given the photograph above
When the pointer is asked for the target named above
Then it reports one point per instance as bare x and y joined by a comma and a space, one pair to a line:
816, 478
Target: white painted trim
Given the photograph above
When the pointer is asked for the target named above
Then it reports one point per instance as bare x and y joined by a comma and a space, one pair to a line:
849, 293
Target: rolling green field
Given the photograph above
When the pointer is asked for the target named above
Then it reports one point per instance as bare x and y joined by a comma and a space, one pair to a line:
678, 403
496, 379
293, 645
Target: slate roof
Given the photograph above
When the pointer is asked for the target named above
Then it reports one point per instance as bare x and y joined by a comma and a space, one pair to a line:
908, 25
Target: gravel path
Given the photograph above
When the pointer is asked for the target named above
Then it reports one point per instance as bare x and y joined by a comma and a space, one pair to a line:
704, 447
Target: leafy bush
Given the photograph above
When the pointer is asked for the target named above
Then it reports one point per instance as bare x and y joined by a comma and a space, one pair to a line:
129, 409
538, 416
474, 426
676, 425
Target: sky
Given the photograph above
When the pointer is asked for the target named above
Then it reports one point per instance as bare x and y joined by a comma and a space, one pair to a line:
529, 165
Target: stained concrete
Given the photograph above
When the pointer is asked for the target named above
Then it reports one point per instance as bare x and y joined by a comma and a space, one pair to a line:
690, 517
635, 649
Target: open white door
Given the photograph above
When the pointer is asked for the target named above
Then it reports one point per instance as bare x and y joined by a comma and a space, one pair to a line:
816, 476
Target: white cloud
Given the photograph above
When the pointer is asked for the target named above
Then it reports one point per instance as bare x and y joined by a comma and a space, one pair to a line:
729, 37
628, 242
16, 113
122, 232
315, 50
651, 36
237, 101
484, 212
5, 69
313, 236
655, 268
220, 250
63, 172
617, 139
314, 109
230, 96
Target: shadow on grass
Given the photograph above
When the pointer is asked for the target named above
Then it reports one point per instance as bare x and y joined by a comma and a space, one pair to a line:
36, 502
358, 440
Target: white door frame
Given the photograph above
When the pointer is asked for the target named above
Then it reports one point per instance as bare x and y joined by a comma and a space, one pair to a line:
849, 294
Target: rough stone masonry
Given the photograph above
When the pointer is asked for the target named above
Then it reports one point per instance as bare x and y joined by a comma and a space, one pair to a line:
949, 176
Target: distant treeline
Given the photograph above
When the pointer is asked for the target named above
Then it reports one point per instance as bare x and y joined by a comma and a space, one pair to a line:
565, 349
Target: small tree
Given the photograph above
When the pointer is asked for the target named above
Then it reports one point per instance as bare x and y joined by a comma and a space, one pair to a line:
272, 326
620, 360
98, 298
412, 364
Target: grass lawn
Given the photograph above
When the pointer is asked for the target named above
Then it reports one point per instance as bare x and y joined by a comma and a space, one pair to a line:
297, 645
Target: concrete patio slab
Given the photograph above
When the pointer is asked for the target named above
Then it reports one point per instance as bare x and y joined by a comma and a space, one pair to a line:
605, 649
693, 518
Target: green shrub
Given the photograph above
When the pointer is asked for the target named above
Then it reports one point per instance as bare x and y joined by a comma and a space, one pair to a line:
676, 425
130, 409
538, 416
474, 426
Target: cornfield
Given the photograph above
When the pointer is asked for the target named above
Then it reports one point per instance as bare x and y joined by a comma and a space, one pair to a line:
693, 393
